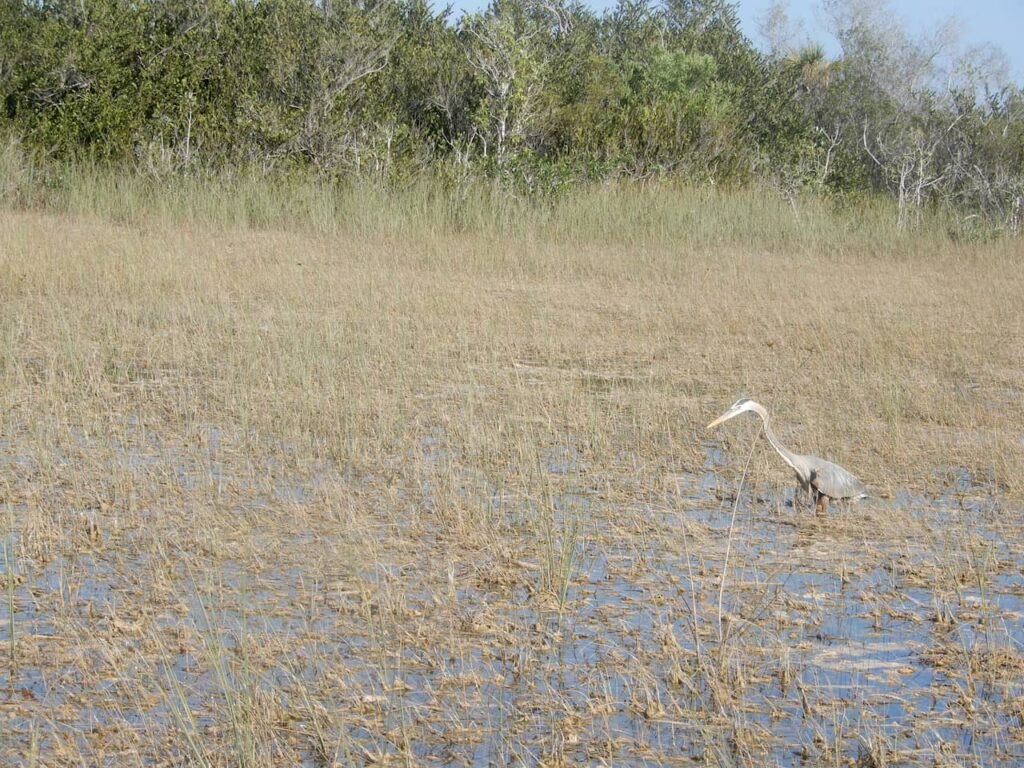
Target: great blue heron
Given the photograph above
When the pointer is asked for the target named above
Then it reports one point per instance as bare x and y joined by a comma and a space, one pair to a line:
825, 479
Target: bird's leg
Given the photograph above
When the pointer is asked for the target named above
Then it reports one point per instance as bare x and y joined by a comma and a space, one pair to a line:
822, 506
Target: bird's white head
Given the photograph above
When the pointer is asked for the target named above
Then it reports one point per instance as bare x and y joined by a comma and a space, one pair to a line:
740, 406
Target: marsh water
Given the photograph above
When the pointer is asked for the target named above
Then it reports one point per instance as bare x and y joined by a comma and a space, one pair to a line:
691, 622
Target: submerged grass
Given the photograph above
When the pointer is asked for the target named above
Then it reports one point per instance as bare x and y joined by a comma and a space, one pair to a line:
443, 456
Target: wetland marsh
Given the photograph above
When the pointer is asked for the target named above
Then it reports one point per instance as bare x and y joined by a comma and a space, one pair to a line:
292, 494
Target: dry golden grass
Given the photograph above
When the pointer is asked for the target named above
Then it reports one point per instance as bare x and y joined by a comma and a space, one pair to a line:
361, 495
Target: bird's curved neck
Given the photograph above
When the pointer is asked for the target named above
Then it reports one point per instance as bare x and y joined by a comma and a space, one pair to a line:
788, 456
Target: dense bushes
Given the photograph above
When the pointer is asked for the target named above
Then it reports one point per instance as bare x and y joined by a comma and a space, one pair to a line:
538, 94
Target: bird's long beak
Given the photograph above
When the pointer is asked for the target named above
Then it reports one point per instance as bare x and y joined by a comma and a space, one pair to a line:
724, 417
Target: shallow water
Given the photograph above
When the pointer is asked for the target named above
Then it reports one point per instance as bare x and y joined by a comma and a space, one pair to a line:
661, 630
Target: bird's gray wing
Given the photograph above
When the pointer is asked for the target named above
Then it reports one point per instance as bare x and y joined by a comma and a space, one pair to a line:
834, 481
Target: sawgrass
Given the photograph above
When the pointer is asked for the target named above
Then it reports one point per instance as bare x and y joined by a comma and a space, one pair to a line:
300, 472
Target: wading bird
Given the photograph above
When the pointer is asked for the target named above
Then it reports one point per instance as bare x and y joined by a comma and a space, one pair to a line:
822, 478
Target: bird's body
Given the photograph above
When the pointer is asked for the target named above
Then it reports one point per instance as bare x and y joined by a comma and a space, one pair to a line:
824, 479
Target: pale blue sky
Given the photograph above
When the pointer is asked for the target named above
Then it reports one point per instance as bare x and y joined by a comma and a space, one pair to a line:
983, 21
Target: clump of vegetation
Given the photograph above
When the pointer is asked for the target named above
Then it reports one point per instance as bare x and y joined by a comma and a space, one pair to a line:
539, 96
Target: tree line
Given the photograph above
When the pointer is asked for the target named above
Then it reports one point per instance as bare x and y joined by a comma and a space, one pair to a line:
539, 94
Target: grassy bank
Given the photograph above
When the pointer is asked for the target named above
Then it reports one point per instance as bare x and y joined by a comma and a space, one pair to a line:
656, 213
